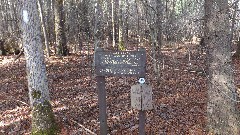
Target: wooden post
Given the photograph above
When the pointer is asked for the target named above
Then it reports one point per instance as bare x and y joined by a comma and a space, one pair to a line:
141, 116
102, 104
141, 122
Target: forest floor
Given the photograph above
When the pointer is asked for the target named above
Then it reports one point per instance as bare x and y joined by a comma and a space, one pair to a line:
179, 95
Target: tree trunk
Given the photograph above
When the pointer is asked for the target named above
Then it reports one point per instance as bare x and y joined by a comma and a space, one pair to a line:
59, 29
2, 49
97, 26
234, 19
159, 34
159, 19
1, 19
222, 114
138, 24
42, 115
120, 24
126, 24
50, 24
237, 54
44, 28
113, 24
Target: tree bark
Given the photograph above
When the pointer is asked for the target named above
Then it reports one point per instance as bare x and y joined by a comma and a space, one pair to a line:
235, 7
126, 23
2, 49
44, 28
97, 26
113, 24
222, 114
237, 54
59, 29
50, 24
120, 26
138, 23
42, 115
159, 19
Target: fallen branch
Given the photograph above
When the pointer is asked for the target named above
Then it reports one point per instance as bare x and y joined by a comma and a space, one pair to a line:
84, 127
18, 56
8, 97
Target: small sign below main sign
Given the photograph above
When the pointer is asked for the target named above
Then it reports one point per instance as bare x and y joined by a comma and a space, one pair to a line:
141, 97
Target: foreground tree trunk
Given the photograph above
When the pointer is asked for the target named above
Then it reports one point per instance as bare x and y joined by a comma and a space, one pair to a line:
222, 114
43, 122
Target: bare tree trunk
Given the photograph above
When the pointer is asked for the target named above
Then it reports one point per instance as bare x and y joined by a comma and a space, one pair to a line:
159, 19
44, 28
222, 114
50, 23
113, 23
237, 53
59, 29
42, 115
97, 26
138, 24
159, 34
1, 19
120, 24
2, 49
234, 19
126, 24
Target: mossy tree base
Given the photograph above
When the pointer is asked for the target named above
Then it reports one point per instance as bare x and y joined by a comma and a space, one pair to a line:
43, 122
121, 46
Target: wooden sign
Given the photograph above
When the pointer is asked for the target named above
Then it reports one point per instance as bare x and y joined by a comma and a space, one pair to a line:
141, 97
117, 63
120, 63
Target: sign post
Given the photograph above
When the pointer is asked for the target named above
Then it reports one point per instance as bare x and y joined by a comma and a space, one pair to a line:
141, 122
141, 99
102, 104
115, 63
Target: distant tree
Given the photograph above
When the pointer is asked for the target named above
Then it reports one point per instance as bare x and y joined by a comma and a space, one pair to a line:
120, 28
43, 122
222, 114
113, 23
2, 49
49, 8
61, 42
159, 16
44, 29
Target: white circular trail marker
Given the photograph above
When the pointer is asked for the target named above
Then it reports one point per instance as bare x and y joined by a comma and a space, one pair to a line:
141, 80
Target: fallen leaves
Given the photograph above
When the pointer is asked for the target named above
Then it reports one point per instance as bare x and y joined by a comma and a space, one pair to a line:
180, 97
